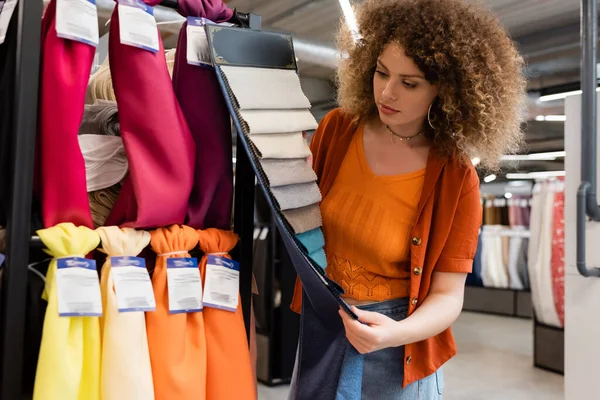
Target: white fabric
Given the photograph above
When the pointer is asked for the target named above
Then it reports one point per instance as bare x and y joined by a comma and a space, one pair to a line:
288, 172
296, 196
278, 121
105, 160
281, 145
265, 88
493, 270
513, 263
540, 248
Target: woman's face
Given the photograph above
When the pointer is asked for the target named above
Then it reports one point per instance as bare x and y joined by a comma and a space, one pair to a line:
401, 92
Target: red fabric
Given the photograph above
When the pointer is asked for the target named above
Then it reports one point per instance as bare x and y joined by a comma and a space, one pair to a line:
558, 256
157, 140
60, 169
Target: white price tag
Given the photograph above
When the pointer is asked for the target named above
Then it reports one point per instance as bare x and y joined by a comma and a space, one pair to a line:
221, 289
198, 52
77, 20
78, 288
132, 284
184, 285
137, 26
5, 14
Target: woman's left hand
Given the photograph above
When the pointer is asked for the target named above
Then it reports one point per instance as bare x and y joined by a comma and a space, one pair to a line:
373, 331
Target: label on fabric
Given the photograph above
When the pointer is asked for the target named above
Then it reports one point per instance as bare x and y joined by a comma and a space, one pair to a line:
137, 26
78, 288
198, 51
6, 12
184, 285
77, 20
132, 284
221, 289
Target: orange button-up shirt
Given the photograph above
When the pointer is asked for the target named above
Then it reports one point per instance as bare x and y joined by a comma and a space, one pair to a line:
443, 239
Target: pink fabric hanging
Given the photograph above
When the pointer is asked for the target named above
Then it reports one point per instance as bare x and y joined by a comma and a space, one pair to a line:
558, 255
60, 169
204, 107
159, 147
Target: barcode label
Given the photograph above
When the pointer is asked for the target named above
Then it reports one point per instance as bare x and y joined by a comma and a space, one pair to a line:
77, 20
137, 26
132, 284
184, 285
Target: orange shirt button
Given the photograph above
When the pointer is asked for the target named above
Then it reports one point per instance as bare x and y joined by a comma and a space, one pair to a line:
417, 271
414, 301
408, 360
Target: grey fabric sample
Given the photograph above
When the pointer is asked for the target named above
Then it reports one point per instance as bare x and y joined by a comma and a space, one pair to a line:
296, 196
288, 172
100, 118
304, 219
278, 121
281, 145
265, 88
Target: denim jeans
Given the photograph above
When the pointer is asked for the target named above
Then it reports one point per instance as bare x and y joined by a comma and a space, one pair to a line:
347, 375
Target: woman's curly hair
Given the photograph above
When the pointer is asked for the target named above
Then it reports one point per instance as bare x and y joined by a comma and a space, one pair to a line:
459, 47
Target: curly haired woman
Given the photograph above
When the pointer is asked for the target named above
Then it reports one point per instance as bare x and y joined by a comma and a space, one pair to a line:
427, 85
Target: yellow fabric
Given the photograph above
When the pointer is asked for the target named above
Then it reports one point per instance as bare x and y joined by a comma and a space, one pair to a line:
69, 362
367, 220
125, 371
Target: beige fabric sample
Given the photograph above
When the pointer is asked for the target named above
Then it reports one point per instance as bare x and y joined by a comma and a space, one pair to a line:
296, 196
265, 88
288, 172
304, 219
281, 145
278, 121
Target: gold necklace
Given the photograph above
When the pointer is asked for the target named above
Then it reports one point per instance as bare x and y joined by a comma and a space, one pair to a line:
407, 138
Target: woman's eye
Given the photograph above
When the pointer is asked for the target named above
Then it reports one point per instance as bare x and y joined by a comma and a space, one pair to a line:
381, 73
409, 85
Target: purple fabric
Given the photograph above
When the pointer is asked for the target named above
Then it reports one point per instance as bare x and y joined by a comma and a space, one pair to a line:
204, 108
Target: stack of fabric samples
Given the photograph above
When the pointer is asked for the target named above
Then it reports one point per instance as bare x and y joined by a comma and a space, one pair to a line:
274, 113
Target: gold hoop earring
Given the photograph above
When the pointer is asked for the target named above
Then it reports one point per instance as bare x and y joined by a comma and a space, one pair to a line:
429, 116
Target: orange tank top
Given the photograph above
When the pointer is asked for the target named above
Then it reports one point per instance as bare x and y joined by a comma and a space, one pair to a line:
367, 220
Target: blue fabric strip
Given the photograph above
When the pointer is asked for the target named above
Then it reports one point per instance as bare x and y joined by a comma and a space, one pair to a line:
312, 240
319, 257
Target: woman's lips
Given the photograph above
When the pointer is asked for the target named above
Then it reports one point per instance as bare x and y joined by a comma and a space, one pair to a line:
387, 109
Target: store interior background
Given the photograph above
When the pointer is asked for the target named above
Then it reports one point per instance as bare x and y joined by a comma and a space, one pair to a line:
496, 352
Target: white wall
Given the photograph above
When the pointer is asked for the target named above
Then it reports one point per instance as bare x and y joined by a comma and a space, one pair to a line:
582, 302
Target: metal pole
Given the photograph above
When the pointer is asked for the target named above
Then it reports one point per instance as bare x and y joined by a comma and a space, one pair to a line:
14, 291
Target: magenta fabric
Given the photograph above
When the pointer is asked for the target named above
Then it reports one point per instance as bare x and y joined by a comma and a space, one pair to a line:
158, 143
558, 256
60, 169
204, 107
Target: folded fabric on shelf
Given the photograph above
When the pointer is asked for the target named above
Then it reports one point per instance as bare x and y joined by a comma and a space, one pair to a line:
100, 118
288, 172
265, 88
281, 145
102, 202
105, 160
296, 196
278, 121
304, 219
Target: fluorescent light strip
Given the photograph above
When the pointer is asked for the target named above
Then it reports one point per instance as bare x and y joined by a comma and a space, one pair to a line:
350, 18
551, 155
489, 178
536, 175
560, 96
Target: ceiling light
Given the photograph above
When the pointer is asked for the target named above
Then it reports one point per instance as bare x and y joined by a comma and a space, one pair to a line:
560, 96
551, 155
555, 118
508, 195
539, 118
489, 178
475, 161
536, 175
350, 18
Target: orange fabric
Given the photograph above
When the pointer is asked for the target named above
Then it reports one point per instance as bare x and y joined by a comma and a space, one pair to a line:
229, 373
366, 223
177, 342
445, 231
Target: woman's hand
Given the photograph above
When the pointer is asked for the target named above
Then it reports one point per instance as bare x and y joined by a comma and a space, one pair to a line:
373, 331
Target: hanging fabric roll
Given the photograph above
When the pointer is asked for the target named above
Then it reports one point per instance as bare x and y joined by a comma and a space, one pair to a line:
228, 352
558, 252
206, 112
156, 136
176, 341
69, 361
60, 170
126, 372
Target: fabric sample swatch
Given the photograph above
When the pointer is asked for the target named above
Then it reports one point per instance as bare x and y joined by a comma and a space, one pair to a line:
282, 145
278, 121
105, 160
296, 196
312, 240
100, 118
126, 371
304, 219
319, 257
265, 88
288, 172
